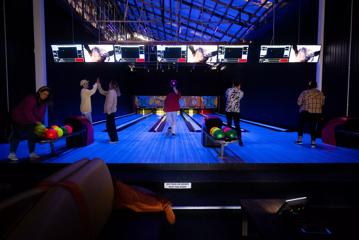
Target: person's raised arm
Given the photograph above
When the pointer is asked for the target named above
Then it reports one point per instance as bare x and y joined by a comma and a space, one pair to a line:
100, 89
93, 90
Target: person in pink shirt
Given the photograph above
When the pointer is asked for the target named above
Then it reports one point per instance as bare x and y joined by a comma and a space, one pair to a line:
26, 115
171, 106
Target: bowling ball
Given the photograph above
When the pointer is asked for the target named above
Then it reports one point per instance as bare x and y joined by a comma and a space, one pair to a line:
64, 130
59, 132
40, 130
225, 129
51, 134
54, 126
219, 134
69, 129
232, 134
212, 130
216, 130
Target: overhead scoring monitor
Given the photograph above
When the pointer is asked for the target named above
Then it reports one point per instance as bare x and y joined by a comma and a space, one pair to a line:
305, 54
129, 53
99, 53
67, 53
171, 53
202, 53
233, 53
274, 53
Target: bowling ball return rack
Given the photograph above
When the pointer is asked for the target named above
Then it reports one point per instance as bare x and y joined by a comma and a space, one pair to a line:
209, 141
52, 141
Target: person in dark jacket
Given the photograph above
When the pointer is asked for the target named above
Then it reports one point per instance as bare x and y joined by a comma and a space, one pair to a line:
26, 115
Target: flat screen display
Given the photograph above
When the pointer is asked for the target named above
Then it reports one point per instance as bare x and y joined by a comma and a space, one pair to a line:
129, 53
172, 53
233, 53
67, 53
275, 53
99, 53
202, 53
305, 53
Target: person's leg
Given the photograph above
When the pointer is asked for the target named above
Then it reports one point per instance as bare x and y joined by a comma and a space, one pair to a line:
14, 140
88, 115
236, 117
31, 137
169, 123
301, 122
111, 127
229, 119
173, 126
313, 121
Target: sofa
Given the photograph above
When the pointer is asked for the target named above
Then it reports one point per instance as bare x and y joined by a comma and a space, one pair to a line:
74, 203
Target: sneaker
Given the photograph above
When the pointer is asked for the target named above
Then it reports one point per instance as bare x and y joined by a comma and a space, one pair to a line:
313, 145
240, 143
34, 156
12, 157
299, 142
173, 134
168, 133
113, 142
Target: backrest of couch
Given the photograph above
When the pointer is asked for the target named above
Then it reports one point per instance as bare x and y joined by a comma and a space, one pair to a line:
76, 208
14, 209
55, 216
95, 183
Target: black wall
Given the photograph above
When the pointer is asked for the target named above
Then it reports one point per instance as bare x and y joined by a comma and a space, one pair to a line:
16, 58
354, 80
3, 94
20, 51
336, 58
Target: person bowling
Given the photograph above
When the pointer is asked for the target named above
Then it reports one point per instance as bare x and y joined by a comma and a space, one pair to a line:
171, 106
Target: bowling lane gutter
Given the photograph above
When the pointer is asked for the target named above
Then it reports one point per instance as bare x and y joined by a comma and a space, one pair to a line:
132, 122
159, 125
188, 124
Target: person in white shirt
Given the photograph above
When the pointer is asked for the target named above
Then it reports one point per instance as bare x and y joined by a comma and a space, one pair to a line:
110, 108
233, 99
86, 93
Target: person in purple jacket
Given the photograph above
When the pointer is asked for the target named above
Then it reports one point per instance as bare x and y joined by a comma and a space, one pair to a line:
26, 115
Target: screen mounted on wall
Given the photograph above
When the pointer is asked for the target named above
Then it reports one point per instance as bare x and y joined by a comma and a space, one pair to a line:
129, 53
67, 53
99, 53
275, 53
305, 54
202, 53
171, 53
233, 53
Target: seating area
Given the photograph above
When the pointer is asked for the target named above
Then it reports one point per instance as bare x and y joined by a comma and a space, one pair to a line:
342, 132
78, 202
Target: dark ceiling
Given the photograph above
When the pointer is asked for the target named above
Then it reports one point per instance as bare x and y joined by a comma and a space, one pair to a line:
176, 20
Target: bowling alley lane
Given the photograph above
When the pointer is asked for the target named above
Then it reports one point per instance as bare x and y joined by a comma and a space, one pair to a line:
139, 146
